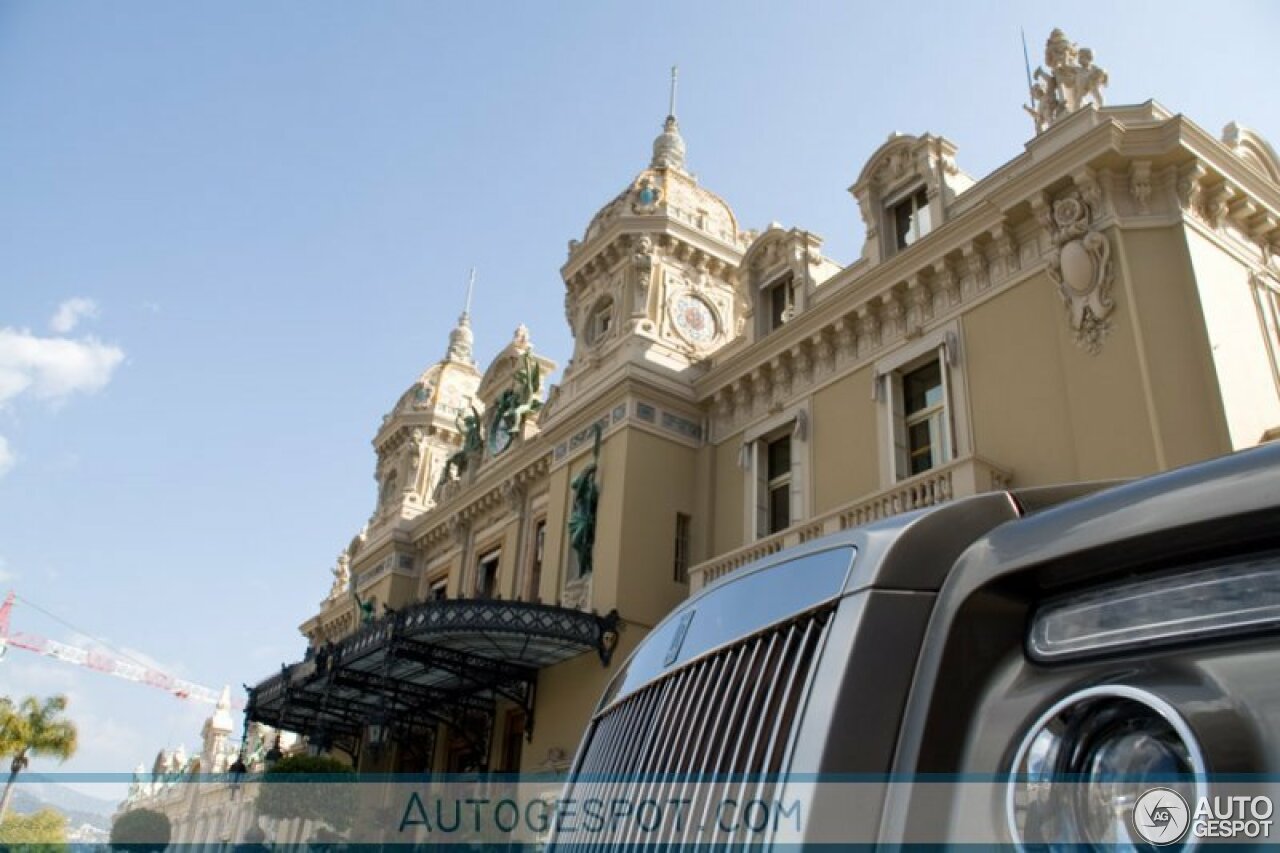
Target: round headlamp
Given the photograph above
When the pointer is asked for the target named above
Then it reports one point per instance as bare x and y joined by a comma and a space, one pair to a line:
1082, 768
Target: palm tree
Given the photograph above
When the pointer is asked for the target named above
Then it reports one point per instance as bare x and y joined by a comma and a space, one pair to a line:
32, 729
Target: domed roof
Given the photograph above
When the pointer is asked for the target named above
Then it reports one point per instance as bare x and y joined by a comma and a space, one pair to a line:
666, 188
447, 387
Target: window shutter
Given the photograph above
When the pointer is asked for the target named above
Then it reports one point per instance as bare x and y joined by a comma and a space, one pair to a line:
946, 357
759, 455
897, 426
797, 481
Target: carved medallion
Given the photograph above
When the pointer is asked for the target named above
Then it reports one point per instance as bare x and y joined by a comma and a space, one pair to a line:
1081, 268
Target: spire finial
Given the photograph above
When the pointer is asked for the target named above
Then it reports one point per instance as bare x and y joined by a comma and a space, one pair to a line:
460, 338
471, 286
671, 106
668, 148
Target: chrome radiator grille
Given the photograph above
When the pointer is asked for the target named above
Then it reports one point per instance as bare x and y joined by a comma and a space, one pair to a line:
720, 727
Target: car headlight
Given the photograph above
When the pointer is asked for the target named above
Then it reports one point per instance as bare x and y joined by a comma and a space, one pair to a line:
1085, 762
1225, 599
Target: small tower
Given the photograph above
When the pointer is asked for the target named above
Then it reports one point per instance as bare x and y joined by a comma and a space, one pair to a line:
653, 279
424, 428
216, 733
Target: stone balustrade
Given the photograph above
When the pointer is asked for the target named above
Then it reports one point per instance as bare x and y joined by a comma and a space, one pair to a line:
968, 475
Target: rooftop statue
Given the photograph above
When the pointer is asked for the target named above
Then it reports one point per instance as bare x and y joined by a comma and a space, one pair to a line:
1071, 81
341, 576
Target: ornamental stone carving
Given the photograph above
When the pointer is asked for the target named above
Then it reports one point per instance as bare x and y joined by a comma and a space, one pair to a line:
1071, 81
642, 261
341, 577
1081, 268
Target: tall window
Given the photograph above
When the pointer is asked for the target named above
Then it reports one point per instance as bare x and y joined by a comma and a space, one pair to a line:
910, 219
775, 458
439, 590
778, 483
921, 417
779, 303
924, 413
487, 574
680, 571
535, 560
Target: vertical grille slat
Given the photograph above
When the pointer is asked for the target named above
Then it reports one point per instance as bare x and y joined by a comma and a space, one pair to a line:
731, 713
703, 683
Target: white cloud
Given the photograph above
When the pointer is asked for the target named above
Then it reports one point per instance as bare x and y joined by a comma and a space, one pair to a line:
53, 368
6, 462
71, 312
6, 576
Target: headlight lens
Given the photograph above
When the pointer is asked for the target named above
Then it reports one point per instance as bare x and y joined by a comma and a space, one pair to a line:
1224, 599
1085, 762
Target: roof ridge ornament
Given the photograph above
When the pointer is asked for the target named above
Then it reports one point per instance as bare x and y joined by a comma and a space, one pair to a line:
1072, 79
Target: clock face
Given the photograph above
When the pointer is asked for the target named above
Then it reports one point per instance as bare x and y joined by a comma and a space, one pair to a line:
694, 319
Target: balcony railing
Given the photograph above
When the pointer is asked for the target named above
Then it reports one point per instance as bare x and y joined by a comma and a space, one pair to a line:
962, 477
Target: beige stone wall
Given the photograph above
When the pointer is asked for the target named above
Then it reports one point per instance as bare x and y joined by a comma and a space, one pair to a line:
567, 696
1183, 396
1241, 365
557, 519
729, 497
845, 435
659, 483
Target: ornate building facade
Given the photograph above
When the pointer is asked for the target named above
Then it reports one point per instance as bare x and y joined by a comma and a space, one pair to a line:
200, 793
1104, 305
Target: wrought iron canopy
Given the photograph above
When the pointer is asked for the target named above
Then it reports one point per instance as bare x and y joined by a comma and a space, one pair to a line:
433, 662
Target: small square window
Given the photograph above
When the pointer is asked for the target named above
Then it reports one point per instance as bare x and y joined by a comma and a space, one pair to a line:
599, 322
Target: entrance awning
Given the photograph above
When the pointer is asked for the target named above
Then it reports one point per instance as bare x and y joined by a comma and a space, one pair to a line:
434, 662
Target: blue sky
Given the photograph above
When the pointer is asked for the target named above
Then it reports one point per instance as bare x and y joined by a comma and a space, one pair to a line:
269, 211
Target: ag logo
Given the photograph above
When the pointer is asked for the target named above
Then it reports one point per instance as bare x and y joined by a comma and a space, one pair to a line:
1161, 816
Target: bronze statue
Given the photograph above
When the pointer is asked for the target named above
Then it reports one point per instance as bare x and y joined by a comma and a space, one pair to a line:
472, 443
582, 519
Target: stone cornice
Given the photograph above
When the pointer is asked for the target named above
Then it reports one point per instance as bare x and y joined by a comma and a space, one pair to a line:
625, 225
996, 227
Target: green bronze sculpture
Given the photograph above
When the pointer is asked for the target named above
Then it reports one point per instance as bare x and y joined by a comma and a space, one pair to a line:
515, 405
582, 518
472, 443
365, 607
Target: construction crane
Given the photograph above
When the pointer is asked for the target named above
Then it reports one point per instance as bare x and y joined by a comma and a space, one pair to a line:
99, 660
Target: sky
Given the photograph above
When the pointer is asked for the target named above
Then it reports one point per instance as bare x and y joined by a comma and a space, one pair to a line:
232, 233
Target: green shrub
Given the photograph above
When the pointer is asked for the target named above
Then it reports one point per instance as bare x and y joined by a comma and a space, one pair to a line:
140, 830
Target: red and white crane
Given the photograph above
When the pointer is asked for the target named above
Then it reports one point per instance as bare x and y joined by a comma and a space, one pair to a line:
100, 660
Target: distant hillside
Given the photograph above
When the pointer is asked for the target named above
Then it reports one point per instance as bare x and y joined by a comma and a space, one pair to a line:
79, 808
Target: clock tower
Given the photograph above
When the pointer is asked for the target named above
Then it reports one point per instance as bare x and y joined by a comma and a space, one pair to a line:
654, 278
